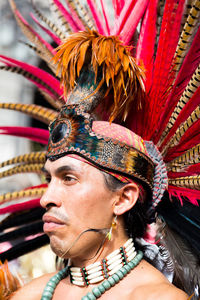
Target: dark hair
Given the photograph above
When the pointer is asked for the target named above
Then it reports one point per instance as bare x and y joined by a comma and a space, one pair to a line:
136, 218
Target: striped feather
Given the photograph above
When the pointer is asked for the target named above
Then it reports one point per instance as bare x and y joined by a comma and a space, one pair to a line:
84, 14
189, 27
45, 48
4, 198
190, 157
191, 88
33, 157
40, 113
47, 31
174, 141
39, 77
59, 17
34, 134
68, 17
25, 168
61, 35
191, 182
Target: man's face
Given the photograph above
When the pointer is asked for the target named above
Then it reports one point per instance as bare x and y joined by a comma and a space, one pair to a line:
77, 199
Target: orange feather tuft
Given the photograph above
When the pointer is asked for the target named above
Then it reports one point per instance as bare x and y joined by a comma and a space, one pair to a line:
109, 56
8, 282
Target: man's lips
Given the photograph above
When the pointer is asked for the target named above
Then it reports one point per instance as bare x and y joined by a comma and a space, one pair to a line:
51, 223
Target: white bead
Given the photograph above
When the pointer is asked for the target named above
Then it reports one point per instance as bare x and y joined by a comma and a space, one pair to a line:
132, 256
115, 269
91, 276
78, 283
92, 266
129, 247
130, 252
75, 269
113, 254
117, 262
128, 242
96, 279
94, 270
77, 278
78, 274
113, 259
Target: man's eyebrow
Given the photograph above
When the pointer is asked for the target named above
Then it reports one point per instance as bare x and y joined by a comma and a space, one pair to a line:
65, 169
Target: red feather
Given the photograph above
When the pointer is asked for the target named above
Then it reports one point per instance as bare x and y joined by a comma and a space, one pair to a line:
20, 206
190, 139
50, 84
50, 33
97, 17
188, 67
163, 75
34, 134
181, 193
73, 24
118, 6
184, 114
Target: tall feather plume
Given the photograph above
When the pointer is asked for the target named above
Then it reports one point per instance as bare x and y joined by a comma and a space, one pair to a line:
109, 56
97, 17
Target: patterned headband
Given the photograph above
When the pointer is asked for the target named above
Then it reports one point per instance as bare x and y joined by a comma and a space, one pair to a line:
72, 132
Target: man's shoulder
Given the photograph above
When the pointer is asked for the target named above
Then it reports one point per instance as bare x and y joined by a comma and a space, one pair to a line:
33, 290
161, 291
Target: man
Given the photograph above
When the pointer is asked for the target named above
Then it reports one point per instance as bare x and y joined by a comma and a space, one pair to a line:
82, 203
105, 181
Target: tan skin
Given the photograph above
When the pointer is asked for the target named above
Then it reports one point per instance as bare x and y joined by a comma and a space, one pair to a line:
77, 199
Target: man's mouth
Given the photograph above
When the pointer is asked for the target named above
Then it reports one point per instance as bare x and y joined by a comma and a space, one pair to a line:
51, 223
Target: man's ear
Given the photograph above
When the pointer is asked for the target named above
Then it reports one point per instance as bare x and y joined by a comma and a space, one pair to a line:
128, 196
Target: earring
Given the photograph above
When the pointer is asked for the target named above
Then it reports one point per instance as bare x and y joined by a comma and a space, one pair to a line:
113, 226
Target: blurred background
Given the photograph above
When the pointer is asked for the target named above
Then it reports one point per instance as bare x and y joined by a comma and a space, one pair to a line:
14, 88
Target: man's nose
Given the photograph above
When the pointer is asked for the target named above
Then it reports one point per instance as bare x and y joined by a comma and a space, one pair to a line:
51, 196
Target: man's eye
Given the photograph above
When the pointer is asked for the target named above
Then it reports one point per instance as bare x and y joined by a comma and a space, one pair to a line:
48, 179
68, 178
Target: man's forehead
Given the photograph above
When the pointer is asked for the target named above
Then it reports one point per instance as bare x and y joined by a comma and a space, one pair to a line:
67, 162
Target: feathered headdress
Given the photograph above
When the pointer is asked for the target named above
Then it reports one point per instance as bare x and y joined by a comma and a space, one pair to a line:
144, 68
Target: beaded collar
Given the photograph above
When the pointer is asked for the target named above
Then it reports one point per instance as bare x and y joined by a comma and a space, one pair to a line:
105, 268
127, 265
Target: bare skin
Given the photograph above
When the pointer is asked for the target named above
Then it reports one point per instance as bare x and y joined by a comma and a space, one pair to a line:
77, 199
